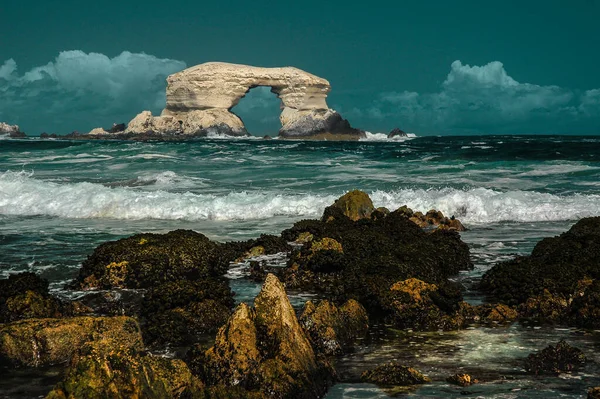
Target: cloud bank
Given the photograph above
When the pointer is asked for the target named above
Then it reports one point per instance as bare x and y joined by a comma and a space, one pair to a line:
486, 99
81, 91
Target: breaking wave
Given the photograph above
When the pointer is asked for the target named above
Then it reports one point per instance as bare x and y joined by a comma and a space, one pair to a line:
22, 194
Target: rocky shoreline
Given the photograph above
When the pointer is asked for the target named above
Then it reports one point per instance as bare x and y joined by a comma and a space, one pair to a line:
369, 266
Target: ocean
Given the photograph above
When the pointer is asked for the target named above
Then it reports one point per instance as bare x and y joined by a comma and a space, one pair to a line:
60, 199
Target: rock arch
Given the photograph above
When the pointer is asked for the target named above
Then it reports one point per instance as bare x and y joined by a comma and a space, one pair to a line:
200, 99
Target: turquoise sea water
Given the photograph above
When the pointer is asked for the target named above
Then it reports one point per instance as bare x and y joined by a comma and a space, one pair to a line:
60, 199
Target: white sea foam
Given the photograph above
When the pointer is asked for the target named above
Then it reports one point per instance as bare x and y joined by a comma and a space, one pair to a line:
384, 137
22, 194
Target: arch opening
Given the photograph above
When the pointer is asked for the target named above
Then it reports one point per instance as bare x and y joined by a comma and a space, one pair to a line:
259, 109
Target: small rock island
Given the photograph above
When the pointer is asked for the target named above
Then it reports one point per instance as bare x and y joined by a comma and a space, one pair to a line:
200, 99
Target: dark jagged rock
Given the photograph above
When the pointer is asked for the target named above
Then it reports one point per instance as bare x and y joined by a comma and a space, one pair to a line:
391, 374
182, 271
117, 127
557, 282
417, 305
42, 342
264, 350
373, 254
320, 125
396, 132
562, 261
562, 358
266, 244
25, 295
48, 136
332, 330
148, 260
182, 312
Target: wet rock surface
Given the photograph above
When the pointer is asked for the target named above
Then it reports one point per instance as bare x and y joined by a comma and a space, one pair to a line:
42, 342
333, 330
561, 358
25, 295
392, 374
557, 282
264, 349
361, 259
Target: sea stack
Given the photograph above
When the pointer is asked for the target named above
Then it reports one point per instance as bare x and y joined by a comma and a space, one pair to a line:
10, 130
200, 99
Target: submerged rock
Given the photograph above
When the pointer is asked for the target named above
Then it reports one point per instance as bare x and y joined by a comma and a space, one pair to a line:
562, 358
265, 350
332, 330
393, 373
464, 380
42, 342
396, 132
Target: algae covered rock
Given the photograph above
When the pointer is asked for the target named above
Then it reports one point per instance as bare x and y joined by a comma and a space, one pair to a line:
147, 260
96, 372
265, 350
562, 358
182, 311
41, 342
464, 380
393, 373
555, 264
373, 254
594, 393
26, 295
354, 205
332, 329
417, 305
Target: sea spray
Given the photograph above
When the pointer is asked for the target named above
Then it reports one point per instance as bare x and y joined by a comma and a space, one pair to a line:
22, 194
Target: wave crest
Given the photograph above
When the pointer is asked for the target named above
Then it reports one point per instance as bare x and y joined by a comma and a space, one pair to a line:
22, 194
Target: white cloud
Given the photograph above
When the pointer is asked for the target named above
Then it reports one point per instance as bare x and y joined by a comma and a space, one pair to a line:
486, 99
80, 91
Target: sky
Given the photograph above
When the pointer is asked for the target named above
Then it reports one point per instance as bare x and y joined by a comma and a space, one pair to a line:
435, 67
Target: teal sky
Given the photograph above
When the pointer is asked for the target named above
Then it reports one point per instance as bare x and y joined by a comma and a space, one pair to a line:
525, 66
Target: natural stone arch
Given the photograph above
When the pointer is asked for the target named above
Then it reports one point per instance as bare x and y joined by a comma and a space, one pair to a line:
200, 99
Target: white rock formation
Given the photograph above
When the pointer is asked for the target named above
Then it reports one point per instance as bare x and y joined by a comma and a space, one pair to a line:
200, 99
10, 130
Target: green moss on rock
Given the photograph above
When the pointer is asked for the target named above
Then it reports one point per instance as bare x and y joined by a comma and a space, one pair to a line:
41, 342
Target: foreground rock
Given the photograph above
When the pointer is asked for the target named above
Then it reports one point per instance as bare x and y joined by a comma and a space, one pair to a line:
394, 374
97, 372
200, 99
558, 282
11, 131
182, 271
25, 295
562, 358
265, 350
43, 342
